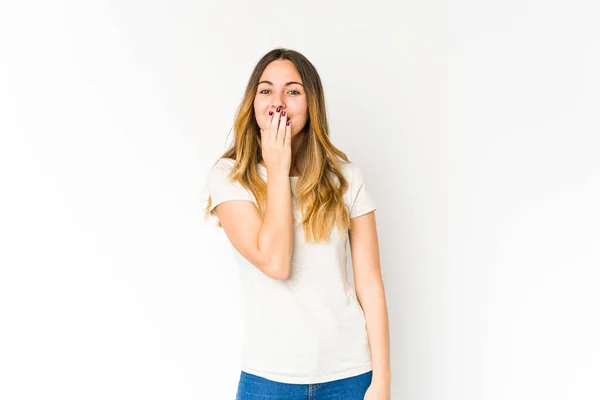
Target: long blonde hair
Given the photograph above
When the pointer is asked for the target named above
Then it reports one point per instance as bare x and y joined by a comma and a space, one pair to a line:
321, 183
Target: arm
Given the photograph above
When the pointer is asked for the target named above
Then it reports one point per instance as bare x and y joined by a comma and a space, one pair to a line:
266, 243
370, 292
276, 234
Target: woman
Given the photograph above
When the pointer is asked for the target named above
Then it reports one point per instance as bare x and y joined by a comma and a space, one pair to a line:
288, 201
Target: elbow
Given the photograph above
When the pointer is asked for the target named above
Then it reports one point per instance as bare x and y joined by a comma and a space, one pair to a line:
279, 271
278, 266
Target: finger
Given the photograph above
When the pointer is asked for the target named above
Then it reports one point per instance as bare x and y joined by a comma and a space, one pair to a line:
274, 127
281, 130
268, 120
288, 134
267, 128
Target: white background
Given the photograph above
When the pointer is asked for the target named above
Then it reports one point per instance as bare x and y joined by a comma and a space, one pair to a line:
476, 125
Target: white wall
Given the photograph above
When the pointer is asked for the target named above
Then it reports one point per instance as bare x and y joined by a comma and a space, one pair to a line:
476, 124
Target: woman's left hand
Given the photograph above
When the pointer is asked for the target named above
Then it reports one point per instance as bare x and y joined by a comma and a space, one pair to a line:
377, 392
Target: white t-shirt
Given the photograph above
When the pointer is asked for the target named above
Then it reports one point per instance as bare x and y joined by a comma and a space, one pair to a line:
309, 328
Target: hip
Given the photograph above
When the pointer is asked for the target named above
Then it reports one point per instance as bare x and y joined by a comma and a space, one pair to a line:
254, 387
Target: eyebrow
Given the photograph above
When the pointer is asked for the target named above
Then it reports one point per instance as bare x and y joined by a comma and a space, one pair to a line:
287, 84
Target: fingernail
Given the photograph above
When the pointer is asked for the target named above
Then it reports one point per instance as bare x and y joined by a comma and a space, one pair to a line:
278, 110
288, 123
283, 113
270, 112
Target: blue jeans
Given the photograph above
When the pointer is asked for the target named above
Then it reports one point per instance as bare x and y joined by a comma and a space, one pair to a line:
252, 387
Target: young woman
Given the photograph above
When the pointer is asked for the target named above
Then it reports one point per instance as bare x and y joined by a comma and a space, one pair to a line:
289, 200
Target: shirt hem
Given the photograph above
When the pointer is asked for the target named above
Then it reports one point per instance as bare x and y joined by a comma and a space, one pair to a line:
362, 212
348, 373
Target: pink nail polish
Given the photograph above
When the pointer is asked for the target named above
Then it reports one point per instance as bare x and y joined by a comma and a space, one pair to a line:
283, 113
278, 110
288, 123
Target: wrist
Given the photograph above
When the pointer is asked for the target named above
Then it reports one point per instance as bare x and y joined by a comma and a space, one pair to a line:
384, 379
278, 176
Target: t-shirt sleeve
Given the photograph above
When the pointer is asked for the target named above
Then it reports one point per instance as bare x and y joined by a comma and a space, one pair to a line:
362, 200
222, 190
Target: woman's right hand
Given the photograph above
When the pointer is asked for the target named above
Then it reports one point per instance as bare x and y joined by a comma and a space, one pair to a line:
276, 143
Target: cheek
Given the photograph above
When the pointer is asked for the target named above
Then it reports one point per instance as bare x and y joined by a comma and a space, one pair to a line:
300, 110
304, 109
260, 104
304, 114
259, 109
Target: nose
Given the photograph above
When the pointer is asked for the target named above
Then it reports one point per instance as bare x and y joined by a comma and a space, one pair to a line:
278, 101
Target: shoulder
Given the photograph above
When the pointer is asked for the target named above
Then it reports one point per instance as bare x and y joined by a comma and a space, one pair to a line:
352, 173
350, 170
223, 164
222, 188
221, 168
219, 173
358, 196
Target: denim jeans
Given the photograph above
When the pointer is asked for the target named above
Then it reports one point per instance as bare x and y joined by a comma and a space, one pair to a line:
252, 387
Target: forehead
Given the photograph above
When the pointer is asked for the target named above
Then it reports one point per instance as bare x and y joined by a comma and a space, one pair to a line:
279, 72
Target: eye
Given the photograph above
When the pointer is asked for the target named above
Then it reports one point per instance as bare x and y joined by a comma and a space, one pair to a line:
294, 92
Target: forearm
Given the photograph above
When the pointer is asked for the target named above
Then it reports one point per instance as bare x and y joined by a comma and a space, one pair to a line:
276, 234
372, 300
